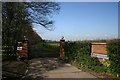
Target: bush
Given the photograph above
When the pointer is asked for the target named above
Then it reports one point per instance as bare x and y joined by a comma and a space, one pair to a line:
113, 50
72, 48
79, 54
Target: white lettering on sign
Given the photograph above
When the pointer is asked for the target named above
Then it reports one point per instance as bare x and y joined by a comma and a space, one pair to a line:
104, 56
19, 48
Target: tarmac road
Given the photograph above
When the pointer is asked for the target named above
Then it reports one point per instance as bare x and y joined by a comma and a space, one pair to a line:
53, 68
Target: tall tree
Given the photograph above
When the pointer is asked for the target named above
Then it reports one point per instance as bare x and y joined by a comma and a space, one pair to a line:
41, 12
13, 15
17, 19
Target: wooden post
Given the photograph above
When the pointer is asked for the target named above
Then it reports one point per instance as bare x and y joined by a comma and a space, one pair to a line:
62, 55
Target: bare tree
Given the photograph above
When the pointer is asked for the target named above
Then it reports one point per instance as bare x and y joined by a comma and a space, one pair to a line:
17, 19
41, 12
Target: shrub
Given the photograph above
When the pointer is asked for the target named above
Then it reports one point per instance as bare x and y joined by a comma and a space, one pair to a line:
113, 50
72, 49
79, 54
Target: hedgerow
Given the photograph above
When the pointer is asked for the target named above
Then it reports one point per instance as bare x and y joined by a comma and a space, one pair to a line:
113, 50
79, 53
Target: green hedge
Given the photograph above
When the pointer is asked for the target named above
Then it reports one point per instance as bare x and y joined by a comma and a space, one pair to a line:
79, 53
113, 50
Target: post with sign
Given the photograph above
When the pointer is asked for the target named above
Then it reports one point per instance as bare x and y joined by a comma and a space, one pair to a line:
22, 49
25, 46
62, 55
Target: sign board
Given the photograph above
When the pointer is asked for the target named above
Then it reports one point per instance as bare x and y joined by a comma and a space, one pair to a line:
99, 50
19, 48
104, 56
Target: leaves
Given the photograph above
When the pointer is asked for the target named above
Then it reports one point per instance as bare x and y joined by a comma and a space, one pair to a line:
114, 56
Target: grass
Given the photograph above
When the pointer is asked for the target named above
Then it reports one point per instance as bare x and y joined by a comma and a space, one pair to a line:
49, 47
45, 49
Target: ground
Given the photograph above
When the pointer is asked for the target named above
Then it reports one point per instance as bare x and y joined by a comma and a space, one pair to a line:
44, 68
54, 68
12, 69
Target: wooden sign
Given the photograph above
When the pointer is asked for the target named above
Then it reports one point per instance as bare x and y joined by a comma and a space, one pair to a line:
99, 50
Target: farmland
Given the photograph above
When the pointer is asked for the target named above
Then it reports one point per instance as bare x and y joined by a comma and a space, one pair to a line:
49, 46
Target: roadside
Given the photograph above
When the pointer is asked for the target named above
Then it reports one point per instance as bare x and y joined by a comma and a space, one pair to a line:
46, 65
99, 74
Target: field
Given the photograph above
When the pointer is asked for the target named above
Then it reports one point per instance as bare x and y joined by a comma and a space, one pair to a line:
49, 47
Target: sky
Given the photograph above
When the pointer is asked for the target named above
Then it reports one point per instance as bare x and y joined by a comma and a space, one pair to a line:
83, 21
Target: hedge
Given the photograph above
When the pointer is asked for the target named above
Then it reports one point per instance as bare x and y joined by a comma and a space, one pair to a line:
79, 53
113, 50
